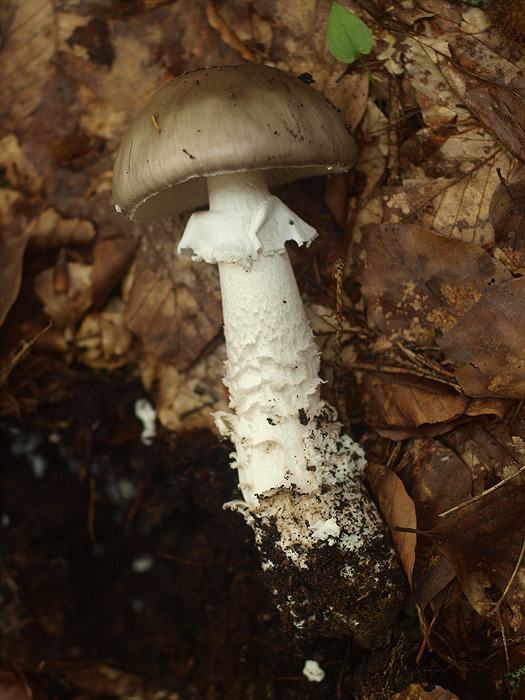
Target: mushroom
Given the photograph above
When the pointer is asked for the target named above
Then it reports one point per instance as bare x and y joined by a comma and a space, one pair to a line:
223, 136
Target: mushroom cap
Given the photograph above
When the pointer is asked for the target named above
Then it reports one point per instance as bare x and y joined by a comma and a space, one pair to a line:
225, 119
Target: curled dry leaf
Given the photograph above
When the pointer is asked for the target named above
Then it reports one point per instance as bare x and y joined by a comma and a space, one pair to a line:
399, 511
12, 250
103, 339
65, 307
487, 345
186, 401
112, 258
399, 406
436, 479
417, 284
50, 230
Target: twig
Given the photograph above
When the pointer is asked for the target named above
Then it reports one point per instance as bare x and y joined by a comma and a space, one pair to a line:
481, 495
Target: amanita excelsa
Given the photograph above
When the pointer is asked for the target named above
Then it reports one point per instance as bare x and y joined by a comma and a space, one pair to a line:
235, 130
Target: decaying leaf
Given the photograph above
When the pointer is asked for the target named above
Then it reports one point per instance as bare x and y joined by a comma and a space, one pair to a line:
436, 480
399, 513
487, 345
484, 539
50, 230
174, 304
417, 283
499, 107
507, 216
28, 38
417, 692
186, 401
12, 250
491, 452
103, 339
400, 405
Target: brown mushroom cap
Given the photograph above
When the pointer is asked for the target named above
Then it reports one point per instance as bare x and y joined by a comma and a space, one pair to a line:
225, 119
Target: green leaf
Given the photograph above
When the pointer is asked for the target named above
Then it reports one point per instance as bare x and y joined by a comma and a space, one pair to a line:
346, 35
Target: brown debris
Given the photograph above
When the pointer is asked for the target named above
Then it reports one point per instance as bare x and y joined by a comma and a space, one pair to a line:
173, 305
487, 345
418, 284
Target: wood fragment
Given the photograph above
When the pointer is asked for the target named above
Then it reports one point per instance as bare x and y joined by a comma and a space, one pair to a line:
226, 33
154, 118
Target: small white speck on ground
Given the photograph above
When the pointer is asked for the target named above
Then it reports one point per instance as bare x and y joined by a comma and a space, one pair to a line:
148, 417
313, 672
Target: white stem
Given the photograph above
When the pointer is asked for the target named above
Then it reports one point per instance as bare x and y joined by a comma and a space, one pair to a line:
272, 367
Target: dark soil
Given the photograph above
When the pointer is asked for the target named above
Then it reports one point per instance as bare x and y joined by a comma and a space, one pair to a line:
119, 553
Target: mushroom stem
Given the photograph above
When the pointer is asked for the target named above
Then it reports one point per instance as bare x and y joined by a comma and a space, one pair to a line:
272, 367
271, 373
301, 478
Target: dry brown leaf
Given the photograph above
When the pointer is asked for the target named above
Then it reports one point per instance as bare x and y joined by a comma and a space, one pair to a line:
112, 258
28, 38
103, 341
174, 304
417, 283
186, 401
507, 216
436, 480
12, 250
484, 540
500, 108
67, 307
460, 167
417, 692
490, 452
398, 511
50, 230
487, 344
399, 406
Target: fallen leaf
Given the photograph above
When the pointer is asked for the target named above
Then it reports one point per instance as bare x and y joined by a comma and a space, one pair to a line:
491, 450
103, 340
487, 344
507, 216
399, 406
112, 258
12, 250
174, 303
50, 230
498, 107
417, 284
68, 307
417, 692
436, 480
28, 28
484, 539
187, 400
399, 511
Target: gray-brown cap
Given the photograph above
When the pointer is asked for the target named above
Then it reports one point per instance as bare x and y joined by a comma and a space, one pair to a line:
225, 119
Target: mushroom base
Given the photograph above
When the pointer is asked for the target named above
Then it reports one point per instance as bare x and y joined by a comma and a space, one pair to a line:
327, 557
329, 589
